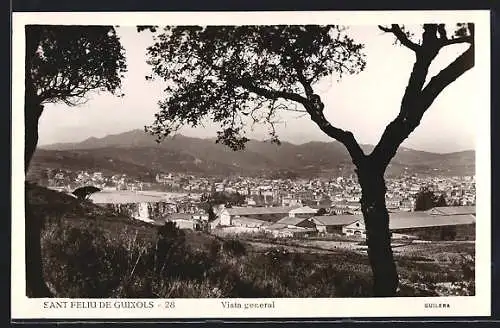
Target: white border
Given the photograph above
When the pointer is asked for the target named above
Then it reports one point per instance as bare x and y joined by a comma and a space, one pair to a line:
479, 305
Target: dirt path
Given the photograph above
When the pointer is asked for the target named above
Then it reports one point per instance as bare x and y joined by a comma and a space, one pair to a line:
261, 246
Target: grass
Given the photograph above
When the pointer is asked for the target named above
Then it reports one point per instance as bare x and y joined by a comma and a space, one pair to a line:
88, 252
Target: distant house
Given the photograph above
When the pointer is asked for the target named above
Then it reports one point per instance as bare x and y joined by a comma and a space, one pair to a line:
186, 224
434, 227
290, 232
422, 225
292, 227
303, 211
184, 221
201, 216
332, 223
296, 222
271, 214
453, 210
356, 228
249, 222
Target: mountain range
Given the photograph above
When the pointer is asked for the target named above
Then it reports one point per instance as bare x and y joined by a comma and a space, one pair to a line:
137, 153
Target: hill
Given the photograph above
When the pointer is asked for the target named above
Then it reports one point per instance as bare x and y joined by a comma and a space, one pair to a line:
136, 153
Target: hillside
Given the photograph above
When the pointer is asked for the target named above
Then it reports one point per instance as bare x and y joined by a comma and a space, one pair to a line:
136, 153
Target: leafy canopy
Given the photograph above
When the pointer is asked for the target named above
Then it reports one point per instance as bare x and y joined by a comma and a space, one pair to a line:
85, 192
427, 199
66, 62
234, 75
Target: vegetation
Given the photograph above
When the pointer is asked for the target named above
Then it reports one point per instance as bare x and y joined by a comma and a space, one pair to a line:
241, 75
220, 198
427, 199
84, 192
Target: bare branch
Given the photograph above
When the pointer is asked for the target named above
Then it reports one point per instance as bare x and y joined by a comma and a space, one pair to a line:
465, 39
344, 137
315, 107
401, 36
445, 77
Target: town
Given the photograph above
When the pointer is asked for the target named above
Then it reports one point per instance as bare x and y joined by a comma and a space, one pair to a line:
279, 207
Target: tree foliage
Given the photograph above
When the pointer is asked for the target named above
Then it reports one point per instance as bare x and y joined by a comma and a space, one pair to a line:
66, 62
322, 211
224, 198
234, 75
427, 199
209, 200
85, 192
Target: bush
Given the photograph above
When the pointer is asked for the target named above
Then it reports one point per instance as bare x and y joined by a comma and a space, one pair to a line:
83, 263
234, 247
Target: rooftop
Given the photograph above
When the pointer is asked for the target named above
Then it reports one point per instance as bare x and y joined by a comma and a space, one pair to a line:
422, 221
290, 220
242, 211
249, 221
453, 210
335, 220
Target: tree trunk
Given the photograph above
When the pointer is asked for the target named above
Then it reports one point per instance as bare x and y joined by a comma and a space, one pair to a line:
32, 112
35, 284
378, 236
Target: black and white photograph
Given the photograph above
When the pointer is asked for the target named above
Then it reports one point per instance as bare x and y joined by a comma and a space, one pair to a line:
183, 159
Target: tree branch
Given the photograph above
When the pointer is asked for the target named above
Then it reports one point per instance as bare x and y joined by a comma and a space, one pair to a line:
401, 36
445, 77
344, 137
465, 39
315, 107
269, 93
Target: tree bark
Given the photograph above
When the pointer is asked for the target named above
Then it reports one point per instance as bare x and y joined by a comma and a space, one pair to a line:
35, 283
32, 112
378, 235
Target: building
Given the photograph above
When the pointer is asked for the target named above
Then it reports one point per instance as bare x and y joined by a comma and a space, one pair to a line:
332, 223
446, 223
270, 214
303, 212
356, 229
292, 232
453, 210
183, 221
292, 227
249, 222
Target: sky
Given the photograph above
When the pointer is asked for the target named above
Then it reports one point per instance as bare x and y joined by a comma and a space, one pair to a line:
364, 103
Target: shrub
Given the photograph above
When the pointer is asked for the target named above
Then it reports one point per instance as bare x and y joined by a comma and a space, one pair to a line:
82, 263
234, 247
